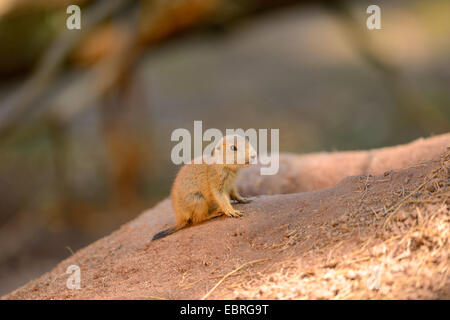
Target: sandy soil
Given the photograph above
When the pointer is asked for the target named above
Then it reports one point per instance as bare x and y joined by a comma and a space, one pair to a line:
299, 173
383, 236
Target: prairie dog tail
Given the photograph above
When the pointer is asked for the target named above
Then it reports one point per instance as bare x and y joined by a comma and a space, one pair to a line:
166, 232
163, 233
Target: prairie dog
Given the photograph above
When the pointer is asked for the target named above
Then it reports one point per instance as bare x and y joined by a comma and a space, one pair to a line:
203, 191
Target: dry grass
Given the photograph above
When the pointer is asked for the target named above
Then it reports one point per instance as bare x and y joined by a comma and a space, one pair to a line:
229, 274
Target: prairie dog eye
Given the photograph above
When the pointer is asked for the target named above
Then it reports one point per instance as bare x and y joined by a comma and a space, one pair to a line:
233, 147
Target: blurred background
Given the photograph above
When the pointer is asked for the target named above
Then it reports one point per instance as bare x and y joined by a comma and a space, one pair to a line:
86, 115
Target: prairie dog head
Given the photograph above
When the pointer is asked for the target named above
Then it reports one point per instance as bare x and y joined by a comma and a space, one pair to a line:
234, 151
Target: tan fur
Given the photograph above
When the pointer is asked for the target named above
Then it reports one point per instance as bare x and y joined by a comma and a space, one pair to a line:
203, 191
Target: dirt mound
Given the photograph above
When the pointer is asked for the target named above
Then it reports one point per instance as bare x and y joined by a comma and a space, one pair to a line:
383, 236
300, 173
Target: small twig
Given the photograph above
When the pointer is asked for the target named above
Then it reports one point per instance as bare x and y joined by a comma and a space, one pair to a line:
410, 167
374, 212
427, 200
366, 188
362, 248
70, 250
384, 180
230, 273
357, 260
400, 203
157, 298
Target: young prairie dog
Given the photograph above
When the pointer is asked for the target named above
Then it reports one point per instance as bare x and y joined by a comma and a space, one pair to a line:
203, 191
